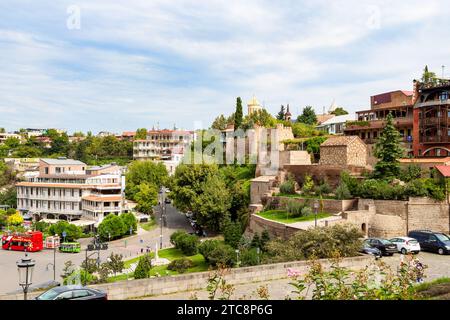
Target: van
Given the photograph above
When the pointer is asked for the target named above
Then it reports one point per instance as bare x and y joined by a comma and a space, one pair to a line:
432, 241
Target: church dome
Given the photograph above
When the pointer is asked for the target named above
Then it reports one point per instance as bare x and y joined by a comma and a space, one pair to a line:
253, 102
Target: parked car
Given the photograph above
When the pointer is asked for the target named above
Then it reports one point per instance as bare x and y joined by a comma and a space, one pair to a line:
72, 293
368, 249
432, 241
386, 247
406, 245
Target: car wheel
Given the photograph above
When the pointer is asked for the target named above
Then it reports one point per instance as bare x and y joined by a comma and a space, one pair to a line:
441, 251
404, 251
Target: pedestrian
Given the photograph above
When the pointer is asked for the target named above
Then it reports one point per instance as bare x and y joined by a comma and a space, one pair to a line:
142, 250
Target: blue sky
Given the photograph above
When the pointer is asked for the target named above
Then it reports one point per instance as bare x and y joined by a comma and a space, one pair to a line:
137, 63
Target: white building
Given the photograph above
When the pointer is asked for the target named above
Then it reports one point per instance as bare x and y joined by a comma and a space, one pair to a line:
336, 125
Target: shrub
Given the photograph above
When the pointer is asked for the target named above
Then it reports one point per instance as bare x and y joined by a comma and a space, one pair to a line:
410, 173
72, 231
129, 221
265, 238
180, 265
351, 182
308, 185
111, 225
174, 236
321, 243
222, 255
232, 234
294, 208
288, 187
256, 241
142, 270
187, 243
206, 247
342, 192
306, 211
323, 189
249, 257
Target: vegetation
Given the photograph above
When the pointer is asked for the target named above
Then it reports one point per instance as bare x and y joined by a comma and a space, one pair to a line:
339, 111
9, 197
288, 187
143, 267
284, 217
15, 219
260, 118
238, 115
429, 77
358, 123
308, 116
180, 265
388, 150
141, 134
72, 231
232, 233
281, 114
115, 227
187, 243
321, 243
308, 185
342, 192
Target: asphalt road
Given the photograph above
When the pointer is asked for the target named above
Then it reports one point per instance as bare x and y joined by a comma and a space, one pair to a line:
128, 247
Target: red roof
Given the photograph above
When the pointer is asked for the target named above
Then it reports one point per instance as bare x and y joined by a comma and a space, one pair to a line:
444, 170
128, 134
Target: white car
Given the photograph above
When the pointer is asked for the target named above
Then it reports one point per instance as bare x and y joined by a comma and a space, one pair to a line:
406, 245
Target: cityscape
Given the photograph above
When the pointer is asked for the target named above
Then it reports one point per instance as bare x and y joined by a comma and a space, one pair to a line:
157, 172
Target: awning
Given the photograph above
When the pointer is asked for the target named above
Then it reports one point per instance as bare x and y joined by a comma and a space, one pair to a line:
82, 223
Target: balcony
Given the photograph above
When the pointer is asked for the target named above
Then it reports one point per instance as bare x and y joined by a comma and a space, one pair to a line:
435, 139
434, 103
378, 124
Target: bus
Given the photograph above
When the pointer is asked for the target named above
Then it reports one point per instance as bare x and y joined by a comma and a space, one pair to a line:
70, 247
31, 241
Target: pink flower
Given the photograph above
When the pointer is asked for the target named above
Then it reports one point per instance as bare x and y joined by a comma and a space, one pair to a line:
292, 273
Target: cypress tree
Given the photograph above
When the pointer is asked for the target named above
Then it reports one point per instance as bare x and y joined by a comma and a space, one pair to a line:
281, 114
238, 115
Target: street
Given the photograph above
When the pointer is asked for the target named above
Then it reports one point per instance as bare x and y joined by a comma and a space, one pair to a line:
128, 247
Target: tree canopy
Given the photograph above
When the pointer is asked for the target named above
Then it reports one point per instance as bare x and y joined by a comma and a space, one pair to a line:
238, 115
141, 134
308, 116
339, 111
139, 172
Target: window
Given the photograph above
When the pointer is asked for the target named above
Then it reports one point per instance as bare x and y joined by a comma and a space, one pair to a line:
65, 295
438, 152
81, 294
46, 170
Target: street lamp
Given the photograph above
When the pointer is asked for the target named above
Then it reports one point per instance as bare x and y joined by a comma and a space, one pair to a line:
131, 231
162, 207
25, 267
258, 250
237, 257
316, 208
53, 264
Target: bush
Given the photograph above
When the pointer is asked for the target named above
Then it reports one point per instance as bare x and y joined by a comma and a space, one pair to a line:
294, 208
222, 255
323, 189
410, 173
308, 185
187, 243
142, 270
287, 187
351, 182
256, 241
249, 257
342, 192
129, 221
41, 226
72, 231
180, 265
111, 225
320, 243
232, 234
206, 247
265, 238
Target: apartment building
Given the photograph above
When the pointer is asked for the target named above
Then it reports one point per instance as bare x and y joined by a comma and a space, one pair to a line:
336, 125
163, 144
4, 136
67, 189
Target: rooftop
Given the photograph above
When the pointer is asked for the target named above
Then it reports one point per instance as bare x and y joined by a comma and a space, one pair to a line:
340, 141
444, 170
339, 119
63, 162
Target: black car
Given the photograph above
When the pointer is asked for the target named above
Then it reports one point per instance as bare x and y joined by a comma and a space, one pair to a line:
386, 247
72, 293
368, 249
432, 241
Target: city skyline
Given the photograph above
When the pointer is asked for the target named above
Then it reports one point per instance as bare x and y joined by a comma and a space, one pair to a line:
135, 64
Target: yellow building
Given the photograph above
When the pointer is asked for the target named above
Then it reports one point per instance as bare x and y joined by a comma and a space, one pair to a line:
253, 106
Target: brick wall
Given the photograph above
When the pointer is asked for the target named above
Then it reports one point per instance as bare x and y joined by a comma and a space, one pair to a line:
424, 213
329, 205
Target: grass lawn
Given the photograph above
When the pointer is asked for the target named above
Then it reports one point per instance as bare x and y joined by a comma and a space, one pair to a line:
199, 264
281, 216
303, 196
148, 226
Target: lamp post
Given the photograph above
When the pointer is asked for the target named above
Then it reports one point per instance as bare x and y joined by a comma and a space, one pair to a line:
258, 251
25, 267
316, 208
162, 207
237, 257
131, 231
53, 264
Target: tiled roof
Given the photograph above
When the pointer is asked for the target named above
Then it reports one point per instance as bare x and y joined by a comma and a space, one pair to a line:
102, 199
63, 162
340, 141
444, 170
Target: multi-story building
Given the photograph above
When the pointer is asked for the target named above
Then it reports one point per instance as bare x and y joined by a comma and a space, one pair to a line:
370, 123
5, 135
431, 132
336, 125
162, 144
67, 189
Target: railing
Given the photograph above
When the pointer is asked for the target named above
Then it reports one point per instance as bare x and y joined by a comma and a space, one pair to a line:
435, 139
434, 103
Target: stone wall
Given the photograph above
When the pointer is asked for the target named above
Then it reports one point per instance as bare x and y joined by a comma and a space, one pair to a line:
424, 213
196, 281
333, 155
329, 205
357, 154
258, 224
260, 187
294, 158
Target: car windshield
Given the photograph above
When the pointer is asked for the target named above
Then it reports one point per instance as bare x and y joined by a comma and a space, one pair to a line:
49, 295
385, 241
442, 237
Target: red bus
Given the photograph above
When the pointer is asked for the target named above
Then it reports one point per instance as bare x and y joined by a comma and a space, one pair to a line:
30, 241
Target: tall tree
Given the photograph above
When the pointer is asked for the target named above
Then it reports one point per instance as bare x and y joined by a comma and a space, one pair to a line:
140, 172
220, 123
388, 150
238, 115
281, 114
428, 76
141, 134
308, 116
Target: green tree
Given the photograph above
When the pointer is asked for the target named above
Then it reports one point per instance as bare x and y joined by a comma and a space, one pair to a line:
388, 150
260, 118
308, 116
112, 226
429, 77
115, 263
232, 233
146, 198
143, 268
220, 123
152, 173
141, 134
238, 115
281, 114
339, 111
73, 232
265, 238
129, 221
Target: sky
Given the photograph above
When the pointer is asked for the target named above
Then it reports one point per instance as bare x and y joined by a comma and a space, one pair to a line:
127, 64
